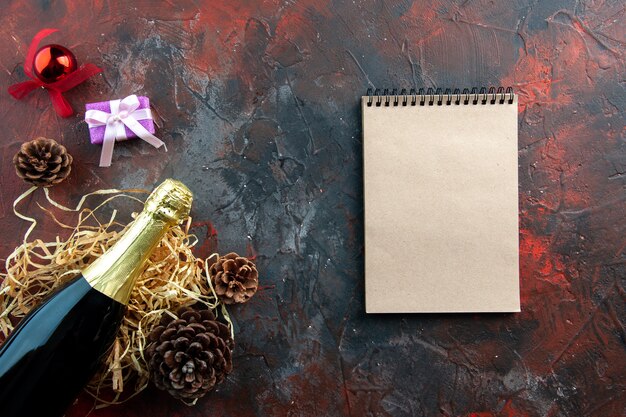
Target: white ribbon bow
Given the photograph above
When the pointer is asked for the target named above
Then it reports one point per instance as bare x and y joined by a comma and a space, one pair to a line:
124, 113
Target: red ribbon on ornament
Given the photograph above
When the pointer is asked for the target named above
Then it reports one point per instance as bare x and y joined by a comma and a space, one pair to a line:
71, 80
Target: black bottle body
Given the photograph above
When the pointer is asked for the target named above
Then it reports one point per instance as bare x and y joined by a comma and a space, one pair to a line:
56, 349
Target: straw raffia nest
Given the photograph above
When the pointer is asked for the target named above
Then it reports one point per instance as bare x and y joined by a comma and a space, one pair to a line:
174, 277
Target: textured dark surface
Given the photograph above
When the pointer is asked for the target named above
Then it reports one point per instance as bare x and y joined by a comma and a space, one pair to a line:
258, 105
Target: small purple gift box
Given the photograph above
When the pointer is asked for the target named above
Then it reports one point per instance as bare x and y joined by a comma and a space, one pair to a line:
96, 133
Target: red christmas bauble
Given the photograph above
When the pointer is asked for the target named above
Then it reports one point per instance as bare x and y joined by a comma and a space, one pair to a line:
53, 62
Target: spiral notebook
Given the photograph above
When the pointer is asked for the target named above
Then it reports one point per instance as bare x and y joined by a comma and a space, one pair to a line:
441, 201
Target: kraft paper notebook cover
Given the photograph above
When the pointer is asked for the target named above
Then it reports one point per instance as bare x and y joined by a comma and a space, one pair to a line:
441, 202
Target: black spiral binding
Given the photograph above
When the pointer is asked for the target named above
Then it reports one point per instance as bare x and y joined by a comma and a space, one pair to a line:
439, 97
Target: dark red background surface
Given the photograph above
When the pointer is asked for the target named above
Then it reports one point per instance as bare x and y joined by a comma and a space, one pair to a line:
258, 103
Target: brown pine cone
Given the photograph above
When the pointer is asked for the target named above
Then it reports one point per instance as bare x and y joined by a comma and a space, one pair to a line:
190, 355
42, 162
235, 278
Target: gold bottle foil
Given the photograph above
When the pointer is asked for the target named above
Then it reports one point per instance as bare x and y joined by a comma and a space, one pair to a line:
115, 272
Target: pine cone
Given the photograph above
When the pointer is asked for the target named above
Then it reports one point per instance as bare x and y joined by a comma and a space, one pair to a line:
190, 355
42, 162
235, 278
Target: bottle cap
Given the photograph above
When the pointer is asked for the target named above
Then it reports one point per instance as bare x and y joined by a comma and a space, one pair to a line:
170, 202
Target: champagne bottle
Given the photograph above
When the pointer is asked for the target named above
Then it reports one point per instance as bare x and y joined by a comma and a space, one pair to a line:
61, 343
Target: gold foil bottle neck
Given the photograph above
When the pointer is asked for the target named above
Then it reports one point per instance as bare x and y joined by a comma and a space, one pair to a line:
170, 202
115, 272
